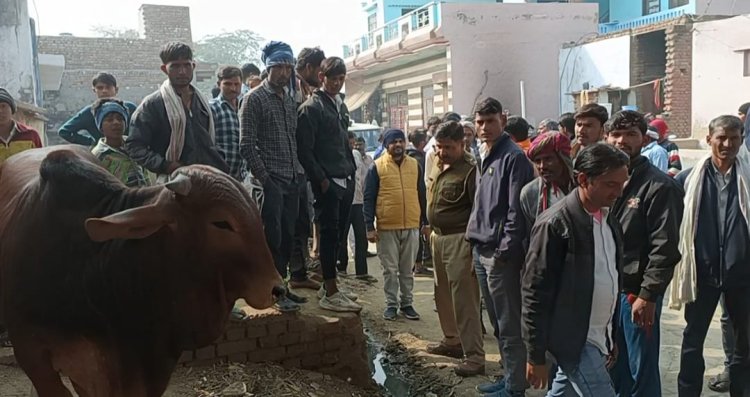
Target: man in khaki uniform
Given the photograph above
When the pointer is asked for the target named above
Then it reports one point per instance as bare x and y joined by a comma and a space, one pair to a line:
450, 194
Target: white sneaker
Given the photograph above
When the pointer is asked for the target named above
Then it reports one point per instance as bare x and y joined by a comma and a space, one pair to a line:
350, 295
338, 302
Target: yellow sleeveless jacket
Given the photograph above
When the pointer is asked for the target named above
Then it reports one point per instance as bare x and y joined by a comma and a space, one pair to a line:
397, 206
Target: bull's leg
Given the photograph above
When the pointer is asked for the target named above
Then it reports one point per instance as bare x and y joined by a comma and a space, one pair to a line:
37, 364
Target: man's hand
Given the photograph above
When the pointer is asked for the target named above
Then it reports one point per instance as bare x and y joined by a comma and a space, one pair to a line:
537, 375
324, 185
426, 232
612, 358
643, 313
372, 236
172, 165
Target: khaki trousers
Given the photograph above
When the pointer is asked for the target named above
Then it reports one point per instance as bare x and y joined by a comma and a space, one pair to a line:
457, 294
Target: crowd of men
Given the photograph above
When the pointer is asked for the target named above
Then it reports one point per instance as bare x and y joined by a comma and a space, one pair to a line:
569, 235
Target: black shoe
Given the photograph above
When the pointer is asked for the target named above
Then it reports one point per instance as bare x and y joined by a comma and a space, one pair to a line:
720, 383
371, 254
295, 298
390, 314
410, 313
285, 304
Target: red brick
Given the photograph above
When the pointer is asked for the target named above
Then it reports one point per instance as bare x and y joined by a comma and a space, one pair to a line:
186, 356
296, 350
309, 336
297, 325
235, 334
205, 352
256, 331
329, 358
237, 357
277, 327
239, 346
310, 361
332, 343
292, 363
289, 339
315, 347
268, 341
272, 354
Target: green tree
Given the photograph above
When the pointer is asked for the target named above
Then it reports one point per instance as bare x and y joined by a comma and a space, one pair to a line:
230, 48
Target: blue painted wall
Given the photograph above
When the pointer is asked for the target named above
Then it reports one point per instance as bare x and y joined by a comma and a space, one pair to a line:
393, 9
624, 10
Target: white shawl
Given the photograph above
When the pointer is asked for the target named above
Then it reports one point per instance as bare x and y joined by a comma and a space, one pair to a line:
178, 119
684, 284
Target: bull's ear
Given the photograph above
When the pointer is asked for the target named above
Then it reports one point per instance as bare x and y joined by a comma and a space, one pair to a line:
131, 224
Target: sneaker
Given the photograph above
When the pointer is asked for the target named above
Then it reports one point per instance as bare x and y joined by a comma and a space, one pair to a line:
350, 295
497, 386
306, 283
285, 304
441, 349
467, 368
371, 254
295, 298
390, 314
238, 314
338, 302
410, 313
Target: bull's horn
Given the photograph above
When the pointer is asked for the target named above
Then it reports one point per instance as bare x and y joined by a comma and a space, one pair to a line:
180, 184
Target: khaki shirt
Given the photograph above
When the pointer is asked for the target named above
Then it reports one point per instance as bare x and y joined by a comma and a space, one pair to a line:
450, 195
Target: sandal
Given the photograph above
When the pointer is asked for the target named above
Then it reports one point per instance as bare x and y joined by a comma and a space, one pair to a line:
719, 383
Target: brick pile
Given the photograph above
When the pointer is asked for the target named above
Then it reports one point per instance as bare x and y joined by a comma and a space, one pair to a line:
330, 344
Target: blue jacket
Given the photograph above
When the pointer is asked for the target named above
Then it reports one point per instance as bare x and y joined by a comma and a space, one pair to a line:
84, 120
496, 222
722, 263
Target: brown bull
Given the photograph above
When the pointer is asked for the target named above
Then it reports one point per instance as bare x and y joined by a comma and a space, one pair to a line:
107, 284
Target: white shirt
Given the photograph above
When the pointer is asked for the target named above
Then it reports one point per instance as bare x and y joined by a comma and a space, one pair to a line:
605, 294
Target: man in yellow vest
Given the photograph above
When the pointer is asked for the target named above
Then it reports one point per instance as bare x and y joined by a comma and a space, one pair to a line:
395, 196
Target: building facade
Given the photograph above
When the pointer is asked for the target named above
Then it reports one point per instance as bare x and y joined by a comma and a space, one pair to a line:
646, 57
446, 55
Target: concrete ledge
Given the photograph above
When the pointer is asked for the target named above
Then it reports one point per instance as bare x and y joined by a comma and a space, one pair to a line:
687, 143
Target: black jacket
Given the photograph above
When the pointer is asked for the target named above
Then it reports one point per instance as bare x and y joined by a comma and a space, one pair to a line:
558, 282
650, 212
322, 139
150, 134
721, 263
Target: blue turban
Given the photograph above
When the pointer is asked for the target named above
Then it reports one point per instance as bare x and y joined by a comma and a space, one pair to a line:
277, 53
110, 107
391, 135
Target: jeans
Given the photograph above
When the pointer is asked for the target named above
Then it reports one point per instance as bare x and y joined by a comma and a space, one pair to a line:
698, 316
279, 214
302, 229
334, 206
357, 222
504, 281
636, 372
588, 379
484, 289
397, 250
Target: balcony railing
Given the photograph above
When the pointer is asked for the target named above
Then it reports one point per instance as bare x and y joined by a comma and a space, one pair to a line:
424, 18
645, 20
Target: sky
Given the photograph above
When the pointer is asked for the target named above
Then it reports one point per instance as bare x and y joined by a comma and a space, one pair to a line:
301, 23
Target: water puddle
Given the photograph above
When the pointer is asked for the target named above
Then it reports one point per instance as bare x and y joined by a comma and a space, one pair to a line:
382, 373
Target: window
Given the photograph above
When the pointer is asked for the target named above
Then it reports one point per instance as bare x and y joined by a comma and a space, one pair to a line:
405, 11
678, 3
423, 17
651, 7
372, 22
746, 63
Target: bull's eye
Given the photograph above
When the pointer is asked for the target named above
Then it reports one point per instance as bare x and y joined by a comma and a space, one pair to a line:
223, 225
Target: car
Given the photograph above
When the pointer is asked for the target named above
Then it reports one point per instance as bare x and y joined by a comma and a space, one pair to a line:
370, 133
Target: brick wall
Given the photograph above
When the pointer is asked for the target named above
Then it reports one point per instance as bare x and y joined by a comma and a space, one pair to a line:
333, 345
134, 62
678, 85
